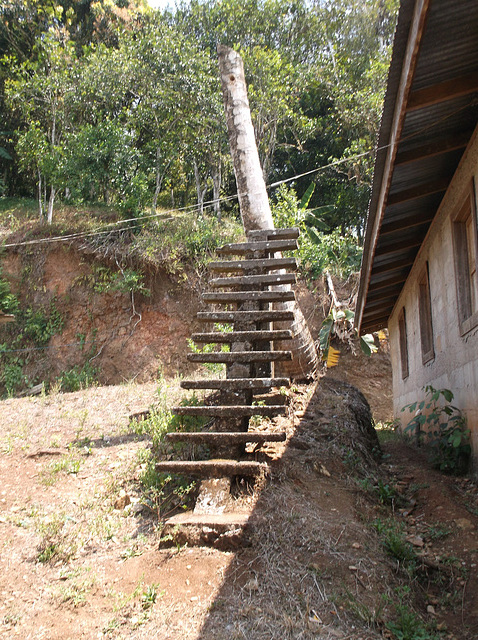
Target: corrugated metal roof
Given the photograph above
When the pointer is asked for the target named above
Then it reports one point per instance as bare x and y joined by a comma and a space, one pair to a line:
430, 111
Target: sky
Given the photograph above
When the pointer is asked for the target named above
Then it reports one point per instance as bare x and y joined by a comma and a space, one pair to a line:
161, 4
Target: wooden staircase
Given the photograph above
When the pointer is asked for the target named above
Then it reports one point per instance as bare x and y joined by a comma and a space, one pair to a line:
252, 285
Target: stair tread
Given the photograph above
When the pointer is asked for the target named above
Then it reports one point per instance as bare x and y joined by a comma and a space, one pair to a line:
264, 263
237, 518
244, 296
231, 436
245, 316
212, 468
271, 234
268, 246
232, 384
263, 279
242, 336
240, 356
231, 410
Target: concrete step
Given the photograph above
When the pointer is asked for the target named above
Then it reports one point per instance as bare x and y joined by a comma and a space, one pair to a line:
265, 264
274, 234
218, 468
270, 315
267, 246
225, 297
230, 411
220, 438
241, 336
266, 279
223, 531
236, 384
231, 357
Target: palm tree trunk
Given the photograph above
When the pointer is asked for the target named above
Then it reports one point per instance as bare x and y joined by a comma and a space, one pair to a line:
253, 199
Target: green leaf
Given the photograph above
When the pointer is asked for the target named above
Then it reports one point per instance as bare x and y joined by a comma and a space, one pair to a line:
367, 344
304, 203
447, 394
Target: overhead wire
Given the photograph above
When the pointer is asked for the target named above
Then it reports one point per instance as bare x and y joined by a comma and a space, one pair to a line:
210, 203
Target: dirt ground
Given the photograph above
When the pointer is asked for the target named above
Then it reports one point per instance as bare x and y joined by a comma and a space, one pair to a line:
80, 556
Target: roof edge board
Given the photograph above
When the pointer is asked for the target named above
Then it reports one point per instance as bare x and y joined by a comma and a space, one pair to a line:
415, 33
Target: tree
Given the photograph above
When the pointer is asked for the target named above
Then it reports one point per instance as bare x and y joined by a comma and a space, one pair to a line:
254, 203
43, 93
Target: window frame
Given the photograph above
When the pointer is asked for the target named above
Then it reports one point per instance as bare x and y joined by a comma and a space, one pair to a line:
403, 343
465, 213
425, 316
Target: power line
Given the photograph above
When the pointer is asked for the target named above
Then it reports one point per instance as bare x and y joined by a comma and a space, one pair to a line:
190, 209
210, 203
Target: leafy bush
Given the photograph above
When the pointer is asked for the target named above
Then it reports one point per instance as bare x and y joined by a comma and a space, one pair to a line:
8, 300
164, 493
443, 427
105, 280
32, 329
184, 239
78, 378
320, 248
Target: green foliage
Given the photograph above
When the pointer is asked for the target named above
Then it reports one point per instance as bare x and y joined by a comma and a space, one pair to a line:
163, 493
78, 377
217, 368
8, 301
407, 625
105, 280
443, 427
320, 249
393, 541
183, 240
150, 595
33, 327
339, 324
120, 104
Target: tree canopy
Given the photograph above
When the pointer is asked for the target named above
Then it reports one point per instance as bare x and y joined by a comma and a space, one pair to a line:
113, 101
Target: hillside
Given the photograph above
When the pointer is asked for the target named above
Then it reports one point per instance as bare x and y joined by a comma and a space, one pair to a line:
350, 537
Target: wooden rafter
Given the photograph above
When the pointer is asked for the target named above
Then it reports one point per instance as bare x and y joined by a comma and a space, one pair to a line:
394, 247
407, 222
443, 91
432, 149
383, 284
393, 265
419, 191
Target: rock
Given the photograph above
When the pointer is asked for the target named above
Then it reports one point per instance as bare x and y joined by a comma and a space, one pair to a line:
416, 541
137, 507
122, 500
252, 585
464, 524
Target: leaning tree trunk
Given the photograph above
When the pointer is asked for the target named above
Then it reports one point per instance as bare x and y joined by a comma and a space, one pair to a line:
253, 199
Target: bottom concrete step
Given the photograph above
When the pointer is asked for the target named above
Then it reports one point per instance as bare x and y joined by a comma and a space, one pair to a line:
224, 531
212, 468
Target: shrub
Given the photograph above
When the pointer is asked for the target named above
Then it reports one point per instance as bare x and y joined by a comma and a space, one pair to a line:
443, 426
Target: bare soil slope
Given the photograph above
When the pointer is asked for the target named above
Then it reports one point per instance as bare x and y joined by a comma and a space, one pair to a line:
80, 554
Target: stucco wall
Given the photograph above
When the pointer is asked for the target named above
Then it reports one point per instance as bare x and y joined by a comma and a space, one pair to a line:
455, 365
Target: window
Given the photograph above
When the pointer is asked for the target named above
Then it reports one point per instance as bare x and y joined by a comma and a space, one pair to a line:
465, 249
425, 313
402, 336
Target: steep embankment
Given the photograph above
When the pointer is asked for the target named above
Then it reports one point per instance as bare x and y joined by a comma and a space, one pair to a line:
119, 323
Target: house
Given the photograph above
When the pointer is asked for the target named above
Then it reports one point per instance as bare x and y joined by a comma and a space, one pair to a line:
419, 269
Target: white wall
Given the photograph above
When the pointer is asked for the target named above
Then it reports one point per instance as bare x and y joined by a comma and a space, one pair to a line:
455, 365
